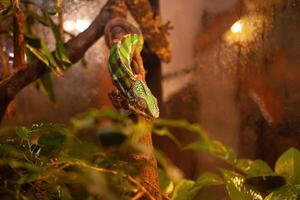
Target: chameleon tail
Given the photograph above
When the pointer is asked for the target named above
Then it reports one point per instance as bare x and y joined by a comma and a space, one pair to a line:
116, 28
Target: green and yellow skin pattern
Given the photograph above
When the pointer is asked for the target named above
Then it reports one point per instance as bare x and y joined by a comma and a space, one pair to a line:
128, 75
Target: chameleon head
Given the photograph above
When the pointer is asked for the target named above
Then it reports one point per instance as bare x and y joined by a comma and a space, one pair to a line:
143, 102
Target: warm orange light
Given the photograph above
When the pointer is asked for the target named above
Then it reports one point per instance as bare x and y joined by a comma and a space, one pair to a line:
78, 25
236, 27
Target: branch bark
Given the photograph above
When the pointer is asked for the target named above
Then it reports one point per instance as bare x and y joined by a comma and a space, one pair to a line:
76, 47
153, 30
157, 48
145, 163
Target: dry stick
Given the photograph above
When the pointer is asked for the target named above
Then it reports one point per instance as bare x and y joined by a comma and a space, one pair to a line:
138, 195
76, 47
18, 35
109, 171
4, 63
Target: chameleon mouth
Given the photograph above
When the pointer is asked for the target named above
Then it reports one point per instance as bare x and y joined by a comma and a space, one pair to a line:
156, 114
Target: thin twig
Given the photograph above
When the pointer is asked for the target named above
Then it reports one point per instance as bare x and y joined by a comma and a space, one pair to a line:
4, 63
109, 171
19, 43
138, 195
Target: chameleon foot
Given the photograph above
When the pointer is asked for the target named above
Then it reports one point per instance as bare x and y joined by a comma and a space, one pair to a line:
119, 101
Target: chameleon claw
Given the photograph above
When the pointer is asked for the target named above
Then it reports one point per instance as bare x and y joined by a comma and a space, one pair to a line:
118, 100
166, 28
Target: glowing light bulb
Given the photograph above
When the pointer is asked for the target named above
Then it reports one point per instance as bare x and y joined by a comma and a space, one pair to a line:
236, 27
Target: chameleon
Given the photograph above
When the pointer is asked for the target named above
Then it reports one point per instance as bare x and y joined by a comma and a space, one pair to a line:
127, 70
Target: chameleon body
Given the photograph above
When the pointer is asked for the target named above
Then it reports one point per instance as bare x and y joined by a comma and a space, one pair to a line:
127, 72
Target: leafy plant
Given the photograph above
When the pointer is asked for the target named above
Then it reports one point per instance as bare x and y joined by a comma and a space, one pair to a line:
246, 179
36, 13
53, 161
50, 161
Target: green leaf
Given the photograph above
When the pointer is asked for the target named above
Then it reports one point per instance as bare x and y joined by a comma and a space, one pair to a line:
288, 165
62, 55
38, 54
215, 148
254, 168
39, 48
46, 82
52, 142
53, 64
23, 133
5, 10
165, 183
60, 52
208, 178
187, 189
288, 192
195, 128
5, 7
10, 150
237, 189
29, 177
184, 190
265, 183
167, 133
83, 122
48, 127
25, 165
33, 40
171, 170
41, 19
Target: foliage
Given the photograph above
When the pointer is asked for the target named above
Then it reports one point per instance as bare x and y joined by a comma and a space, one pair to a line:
37, 13
245, 179
53, 161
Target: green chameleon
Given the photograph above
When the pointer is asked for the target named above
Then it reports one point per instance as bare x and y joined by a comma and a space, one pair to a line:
127, 72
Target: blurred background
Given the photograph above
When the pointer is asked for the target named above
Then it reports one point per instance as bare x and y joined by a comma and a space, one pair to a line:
234, 69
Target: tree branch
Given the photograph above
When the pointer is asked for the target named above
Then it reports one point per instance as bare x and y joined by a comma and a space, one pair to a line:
145, 163
76, 47
154, 32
